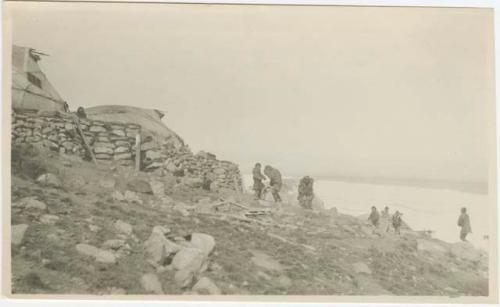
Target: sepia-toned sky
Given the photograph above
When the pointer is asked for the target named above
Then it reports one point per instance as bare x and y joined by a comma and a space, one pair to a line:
350, 91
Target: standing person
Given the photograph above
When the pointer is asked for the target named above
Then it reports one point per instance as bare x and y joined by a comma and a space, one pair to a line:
385, 220
396, 222
306, 193
464, 223
275, 181
207, 181
385, 212
258, 186
374, 217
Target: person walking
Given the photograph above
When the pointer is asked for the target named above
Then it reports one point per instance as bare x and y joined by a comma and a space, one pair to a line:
385, 220
396, 222
464, 223
258, 186
374, 217
275, 182
306, 193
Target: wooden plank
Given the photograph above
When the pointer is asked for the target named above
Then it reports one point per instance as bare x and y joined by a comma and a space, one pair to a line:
87, 146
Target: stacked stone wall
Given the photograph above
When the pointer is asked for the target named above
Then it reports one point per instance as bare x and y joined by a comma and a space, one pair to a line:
108, 141
115, 142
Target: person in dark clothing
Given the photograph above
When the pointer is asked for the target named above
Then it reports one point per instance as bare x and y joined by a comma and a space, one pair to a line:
306, 193
207, 181
464, 223
80, 112
275, 181
258, 186
397, 221
374, 217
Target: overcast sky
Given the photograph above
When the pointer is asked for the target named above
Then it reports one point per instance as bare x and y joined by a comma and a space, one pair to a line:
375, 92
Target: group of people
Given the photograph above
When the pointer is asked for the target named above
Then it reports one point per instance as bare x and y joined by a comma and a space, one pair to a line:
275, 181
305, 190
306, 196
396, 220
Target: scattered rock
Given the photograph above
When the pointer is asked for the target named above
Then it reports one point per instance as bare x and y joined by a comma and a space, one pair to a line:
158, 247
18, 232
361, 268
98, 254
49, 219
123, 227
49, 180
158, 188
151, 283
132, 197
206, 286
114, 244
140, 186
107, 183
105, 257
116, 195
30, 203
182, 208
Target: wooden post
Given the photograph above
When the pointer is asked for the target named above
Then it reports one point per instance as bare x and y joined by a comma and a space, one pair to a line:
138, 152
76, 121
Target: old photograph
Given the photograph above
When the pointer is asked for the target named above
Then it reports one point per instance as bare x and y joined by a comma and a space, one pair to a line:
240, 151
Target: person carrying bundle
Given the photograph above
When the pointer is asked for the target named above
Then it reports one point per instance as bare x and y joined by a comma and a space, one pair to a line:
275, 182
306, 193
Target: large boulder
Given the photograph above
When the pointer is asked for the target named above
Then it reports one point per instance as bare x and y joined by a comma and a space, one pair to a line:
158, 247
189, 262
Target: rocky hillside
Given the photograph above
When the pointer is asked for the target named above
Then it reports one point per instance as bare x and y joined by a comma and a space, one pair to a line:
86, 229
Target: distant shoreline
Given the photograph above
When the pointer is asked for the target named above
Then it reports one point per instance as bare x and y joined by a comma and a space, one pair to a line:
469, 187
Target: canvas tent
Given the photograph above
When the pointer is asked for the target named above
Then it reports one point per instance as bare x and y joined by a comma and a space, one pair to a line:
31, 90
